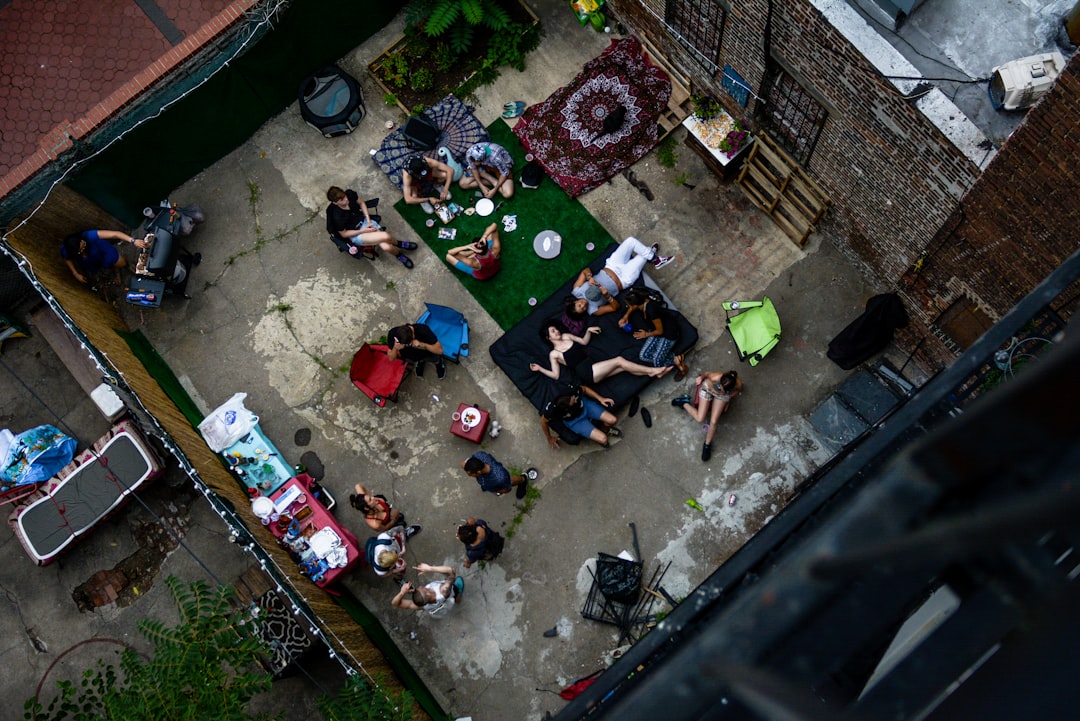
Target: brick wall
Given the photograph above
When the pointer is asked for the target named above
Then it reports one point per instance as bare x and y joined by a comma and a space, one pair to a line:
1018, 222
895, 180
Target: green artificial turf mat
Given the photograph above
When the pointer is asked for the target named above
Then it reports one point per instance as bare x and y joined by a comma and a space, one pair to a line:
524, 274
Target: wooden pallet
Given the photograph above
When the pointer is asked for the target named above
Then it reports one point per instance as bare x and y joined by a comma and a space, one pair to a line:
679, 104
776, 184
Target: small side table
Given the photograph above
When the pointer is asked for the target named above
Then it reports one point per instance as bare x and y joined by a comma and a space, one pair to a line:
476, 433
551, 248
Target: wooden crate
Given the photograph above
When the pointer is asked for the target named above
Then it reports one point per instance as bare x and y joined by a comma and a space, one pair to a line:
776, 184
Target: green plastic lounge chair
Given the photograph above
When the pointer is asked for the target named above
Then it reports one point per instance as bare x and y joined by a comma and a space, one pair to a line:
754, 327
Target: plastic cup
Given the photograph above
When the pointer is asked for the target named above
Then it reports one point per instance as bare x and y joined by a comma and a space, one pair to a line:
430, 223
456, 416
389, 124
532, 301
528, 157
590, 247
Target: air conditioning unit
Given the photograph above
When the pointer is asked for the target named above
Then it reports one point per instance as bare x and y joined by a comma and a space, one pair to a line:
1019, 83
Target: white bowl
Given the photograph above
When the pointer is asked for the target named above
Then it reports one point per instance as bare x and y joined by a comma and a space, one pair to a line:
485, 207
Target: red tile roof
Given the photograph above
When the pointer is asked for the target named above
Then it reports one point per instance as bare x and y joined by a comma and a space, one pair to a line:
67, 67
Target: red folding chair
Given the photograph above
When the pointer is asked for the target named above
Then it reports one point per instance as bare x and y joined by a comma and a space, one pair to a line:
376, 375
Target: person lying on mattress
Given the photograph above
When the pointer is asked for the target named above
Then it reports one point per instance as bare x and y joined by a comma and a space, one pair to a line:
621, 270
570, 351
577, 407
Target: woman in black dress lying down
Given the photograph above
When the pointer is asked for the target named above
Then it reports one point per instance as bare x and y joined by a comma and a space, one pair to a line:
570, 351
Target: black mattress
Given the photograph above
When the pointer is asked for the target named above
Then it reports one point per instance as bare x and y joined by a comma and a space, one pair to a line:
522, 345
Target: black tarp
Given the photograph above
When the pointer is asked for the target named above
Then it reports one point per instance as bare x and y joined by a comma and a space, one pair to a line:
870, 332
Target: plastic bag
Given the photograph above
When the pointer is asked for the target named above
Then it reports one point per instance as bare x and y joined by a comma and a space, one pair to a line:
228, 423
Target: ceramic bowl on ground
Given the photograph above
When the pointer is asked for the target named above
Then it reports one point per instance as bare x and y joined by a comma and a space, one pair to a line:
485, 207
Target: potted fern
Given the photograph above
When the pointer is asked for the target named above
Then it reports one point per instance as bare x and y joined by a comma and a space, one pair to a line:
454, 46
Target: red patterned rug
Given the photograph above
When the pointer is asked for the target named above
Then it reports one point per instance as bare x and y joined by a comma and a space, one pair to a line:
566, 132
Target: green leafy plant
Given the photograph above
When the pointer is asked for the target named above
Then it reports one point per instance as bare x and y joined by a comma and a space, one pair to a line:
680, 179
444, 57
665, 152
706, 106
364, 701
735, 141
456, 21
422, 79
204, 667
396, 70
390, 99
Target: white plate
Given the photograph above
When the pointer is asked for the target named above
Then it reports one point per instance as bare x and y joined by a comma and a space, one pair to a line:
262, 506
470, 417
485, 207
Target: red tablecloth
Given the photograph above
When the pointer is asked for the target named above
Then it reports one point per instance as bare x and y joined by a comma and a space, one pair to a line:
320, 518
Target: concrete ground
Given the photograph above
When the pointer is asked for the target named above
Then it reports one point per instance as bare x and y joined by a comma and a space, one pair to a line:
277, 313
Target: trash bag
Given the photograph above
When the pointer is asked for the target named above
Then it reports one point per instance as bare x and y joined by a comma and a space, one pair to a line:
870, 332
618, 579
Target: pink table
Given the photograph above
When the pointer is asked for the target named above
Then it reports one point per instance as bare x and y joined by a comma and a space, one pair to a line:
320, 518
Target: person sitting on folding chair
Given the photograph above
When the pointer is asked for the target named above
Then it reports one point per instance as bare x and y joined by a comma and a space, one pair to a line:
348, 219
416, 343
715, 393
480, 259
425, 182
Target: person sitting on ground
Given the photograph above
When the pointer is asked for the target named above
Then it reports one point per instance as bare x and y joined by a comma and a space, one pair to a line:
90, 252
378, 513
480, 259
491, 170
348, 218
387, 551
416, 343
493, 476
715, 393
437, 597
577, 408
660, 334
570, 351
621, 270
481, 543
426, 182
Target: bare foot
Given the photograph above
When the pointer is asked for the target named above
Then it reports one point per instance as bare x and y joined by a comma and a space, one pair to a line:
664, 371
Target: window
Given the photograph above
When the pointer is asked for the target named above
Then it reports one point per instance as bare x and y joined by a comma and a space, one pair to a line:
792, 116
699, 25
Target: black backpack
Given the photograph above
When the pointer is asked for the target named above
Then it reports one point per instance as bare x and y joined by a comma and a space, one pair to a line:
531, 175
421, 132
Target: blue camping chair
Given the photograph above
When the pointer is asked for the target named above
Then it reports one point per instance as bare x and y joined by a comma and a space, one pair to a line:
450, 327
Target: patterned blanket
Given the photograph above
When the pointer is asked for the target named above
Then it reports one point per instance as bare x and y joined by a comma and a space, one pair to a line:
566, 132
458, 129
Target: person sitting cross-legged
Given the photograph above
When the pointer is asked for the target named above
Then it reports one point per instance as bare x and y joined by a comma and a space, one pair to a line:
347, 218
480, 259
426, 182
491, 170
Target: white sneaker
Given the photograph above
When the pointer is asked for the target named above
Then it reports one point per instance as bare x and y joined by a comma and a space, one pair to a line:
427, 207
